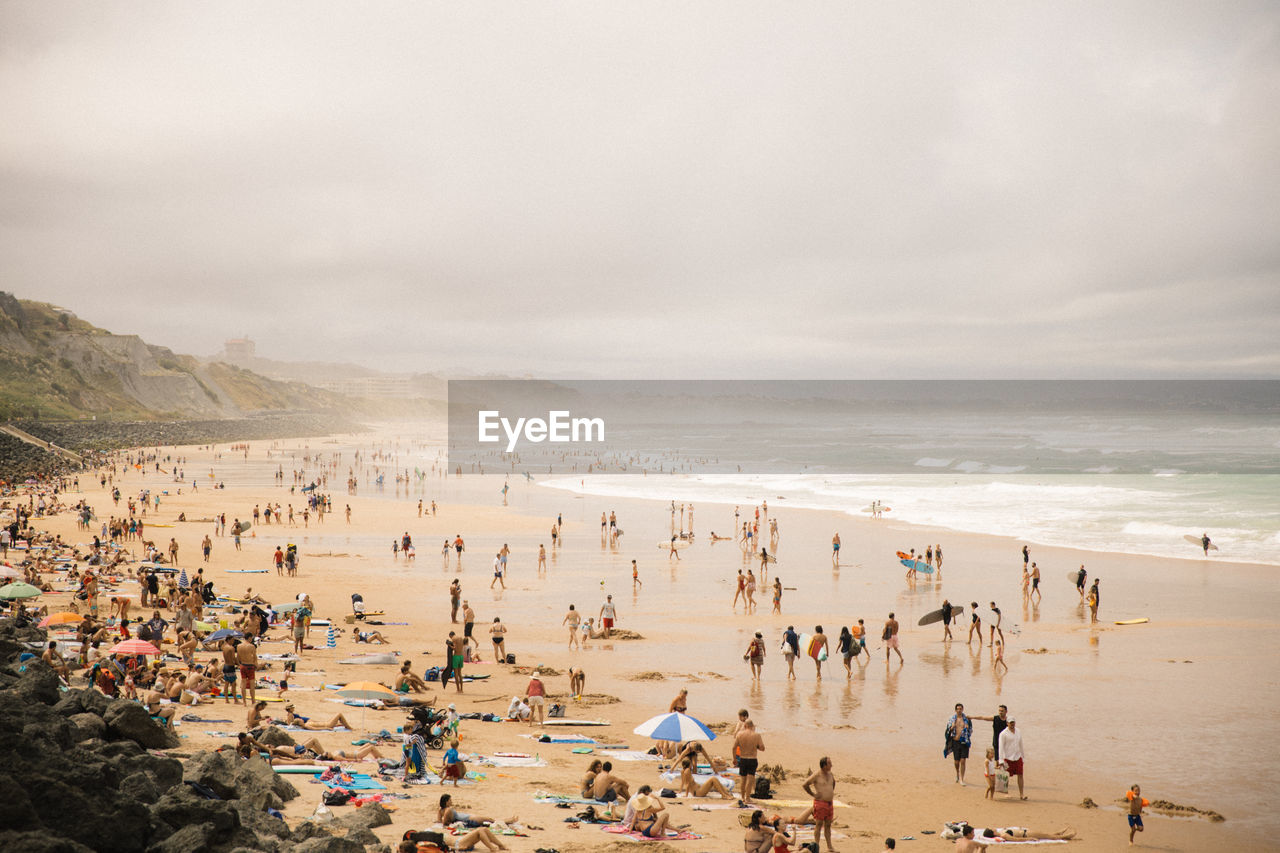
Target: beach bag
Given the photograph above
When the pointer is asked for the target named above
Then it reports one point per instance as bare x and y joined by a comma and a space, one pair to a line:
1002, 781
762, 790
557, 710
336, 797
511, 658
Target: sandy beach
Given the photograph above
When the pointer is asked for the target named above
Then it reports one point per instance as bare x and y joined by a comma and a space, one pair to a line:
1183, 704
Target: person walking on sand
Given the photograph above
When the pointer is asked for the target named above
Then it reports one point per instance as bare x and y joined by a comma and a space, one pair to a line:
777, 595
946, 620
742, 589
999, 722
573, 619
469, 626
1081, 577
751, 591
608, 614
1136, 804
790, 650
975, 623
455, 598
542, 557
835, 551
995, 626
818, 649
1026, 555
457, 646
1012, 755
755, 654
498, 635
937, 560
635, 576
890, 637
1035, 582
674, 551
247, 657
959, 739
535, 694
497, 572
747, 745
822, 787
999, 658
1094, 599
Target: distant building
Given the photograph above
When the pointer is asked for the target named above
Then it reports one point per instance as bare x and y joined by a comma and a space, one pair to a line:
398, 387
239, 350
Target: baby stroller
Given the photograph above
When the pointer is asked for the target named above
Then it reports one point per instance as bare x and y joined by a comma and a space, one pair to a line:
357, 605
429, 726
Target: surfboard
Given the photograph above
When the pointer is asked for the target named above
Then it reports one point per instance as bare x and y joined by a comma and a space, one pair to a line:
1141, 621
936, 615
919, 566
245, 525
563, 722
246, 571
769, 558
810, 645
679, 544
1073, 574
873, 509
1194, 540
903, 555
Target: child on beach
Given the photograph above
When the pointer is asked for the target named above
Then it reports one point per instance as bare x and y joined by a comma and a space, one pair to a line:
990, 773
1136, 804
453, 767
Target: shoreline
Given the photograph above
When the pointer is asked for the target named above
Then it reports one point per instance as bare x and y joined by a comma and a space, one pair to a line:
876, 751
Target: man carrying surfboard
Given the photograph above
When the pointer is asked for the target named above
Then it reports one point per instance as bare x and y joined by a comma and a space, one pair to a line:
1204, 543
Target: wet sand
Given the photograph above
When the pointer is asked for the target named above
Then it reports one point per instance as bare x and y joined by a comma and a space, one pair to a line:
1183, 705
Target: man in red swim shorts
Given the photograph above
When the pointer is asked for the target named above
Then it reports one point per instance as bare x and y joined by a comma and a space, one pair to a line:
822, 787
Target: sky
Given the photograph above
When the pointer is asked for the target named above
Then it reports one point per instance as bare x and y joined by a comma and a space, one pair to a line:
656, 190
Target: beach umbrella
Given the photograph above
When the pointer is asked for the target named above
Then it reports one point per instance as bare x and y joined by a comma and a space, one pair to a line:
675, 727
183, 583
331, 642
66, 617
18, 590
134, 647
288, 607
367, 690
222, 634
9, 572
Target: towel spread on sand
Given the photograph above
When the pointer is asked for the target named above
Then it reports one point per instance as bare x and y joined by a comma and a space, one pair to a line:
629, 755
699, 778
508, 761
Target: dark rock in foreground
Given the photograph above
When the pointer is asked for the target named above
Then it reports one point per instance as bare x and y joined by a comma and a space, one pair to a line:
79, 777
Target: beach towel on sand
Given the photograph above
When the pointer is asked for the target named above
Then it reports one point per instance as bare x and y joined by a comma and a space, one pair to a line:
618, 829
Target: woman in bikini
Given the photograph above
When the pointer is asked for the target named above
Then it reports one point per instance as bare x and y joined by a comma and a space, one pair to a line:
448, 814
690, 786
651, 817
292, 719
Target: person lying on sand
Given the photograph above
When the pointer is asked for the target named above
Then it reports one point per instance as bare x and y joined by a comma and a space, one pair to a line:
447, 815
292, 719
466, 842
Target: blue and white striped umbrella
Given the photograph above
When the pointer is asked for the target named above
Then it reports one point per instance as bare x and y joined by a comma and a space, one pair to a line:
331, 641
674, 726
183, 583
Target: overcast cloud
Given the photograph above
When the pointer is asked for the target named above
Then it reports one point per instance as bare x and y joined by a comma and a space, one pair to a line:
648, 189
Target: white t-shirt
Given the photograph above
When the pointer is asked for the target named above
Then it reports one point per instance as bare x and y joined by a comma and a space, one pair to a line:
608, 610
1010, 745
